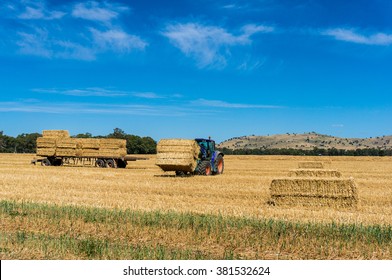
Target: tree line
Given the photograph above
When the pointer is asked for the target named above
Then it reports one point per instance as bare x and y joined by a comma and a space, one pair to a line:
26, 142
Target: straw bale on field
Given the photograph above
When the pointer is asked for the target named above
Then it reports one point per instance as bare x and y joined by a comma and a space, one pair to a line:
55, 133
310, 164
177, 154
314, 173
314, 191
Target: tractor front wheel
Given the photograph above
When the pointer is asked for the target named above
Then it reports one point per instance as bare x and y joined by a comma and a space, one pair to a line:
203, 168
219, 164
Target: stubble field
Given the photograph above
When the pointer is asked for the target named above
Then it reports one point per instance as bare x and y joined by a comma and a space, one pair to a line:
143, 213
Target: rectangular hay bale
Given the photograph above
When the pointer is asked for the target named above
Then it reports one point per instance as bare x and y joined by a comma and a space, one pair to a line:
177, 155
46, 152
43, 142
55, 133
310, 164
314, 173
314, 191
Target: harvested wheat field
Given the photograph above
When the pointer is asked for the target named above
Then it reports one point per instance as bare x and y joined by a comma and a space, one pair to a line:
142, 212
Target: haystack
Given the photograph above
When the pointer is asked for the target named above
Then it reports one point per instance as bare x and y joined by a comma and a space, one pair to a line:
177, 155
315, 173
311, 164
334, 192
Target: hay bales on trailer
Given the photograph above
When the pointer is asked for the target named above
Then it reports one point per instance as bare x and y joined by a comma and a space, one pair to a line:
177, 155
59, 143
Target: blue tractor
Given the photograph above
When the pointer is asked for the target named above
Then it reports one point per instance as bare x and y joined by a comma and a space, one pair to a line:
210, 161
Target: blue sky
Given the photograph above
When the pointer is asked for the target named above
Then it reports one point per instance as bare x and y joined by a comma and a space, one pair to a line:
189, 69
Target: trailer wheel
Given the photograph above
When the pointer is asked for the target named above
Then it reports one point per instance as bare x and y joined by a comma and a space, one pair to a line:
46, 162
111, 163
121, 163
100, 163
180, 173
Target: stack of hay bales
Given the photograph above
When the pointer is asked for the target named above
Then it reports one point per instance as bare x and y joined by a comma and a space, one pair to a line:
59, 143
311, 185
47, 145
177, 155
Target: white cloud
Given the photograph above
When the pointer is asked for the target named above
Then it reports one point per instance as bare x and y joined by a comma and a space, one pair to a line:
34, 44
96, 11
93, 91
117, 40
209, 45
147, 95
40, 44
349, 35
224, 104
38, 10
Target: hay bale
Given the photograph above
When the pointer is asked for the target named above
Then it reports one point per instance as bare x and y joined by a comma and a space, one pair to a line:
43, 142
310, 164
177, 155
46, 152
66, 152
111, 143
88, 143
67, 143
314, 173
314, 191
55, 133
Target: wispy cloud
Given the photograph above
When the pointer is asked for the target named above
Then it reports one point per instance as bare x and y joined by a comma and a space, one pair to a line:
94, 91
68, 108
224, 104
116, 40
350, 35
103, 12
39, 43
147, 95
209, 45
37, 10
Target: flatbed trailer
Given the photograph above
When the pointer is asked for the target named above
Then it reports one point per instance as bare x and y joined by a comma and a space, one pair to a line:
102, 161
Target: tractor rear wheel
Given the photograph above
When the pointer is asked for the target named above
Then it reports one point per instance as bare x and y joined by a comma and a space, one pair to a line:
219, 165
203, 168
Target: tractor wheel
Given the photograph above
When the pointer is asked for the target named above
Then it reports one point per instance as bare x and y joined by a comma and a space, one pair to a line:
203, 168
100, 163
46, 162
219, 165
111, 163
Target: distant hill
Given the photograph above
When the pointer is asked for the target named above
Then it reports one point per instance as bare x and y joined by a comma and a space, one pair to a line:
305, 141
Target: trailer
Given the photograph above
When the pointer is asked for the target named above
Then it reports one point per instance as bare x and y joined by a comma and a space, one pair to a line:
57, 148
102, 162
